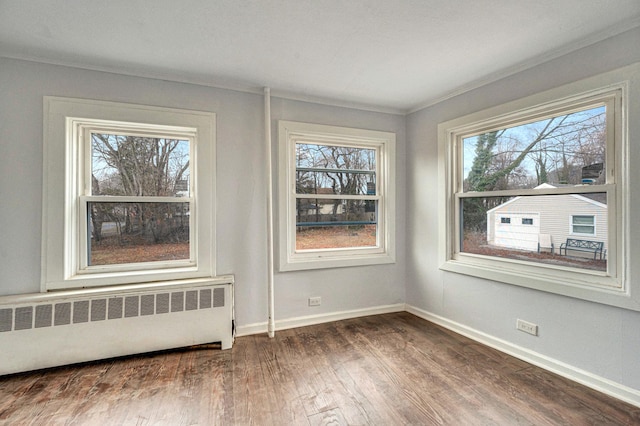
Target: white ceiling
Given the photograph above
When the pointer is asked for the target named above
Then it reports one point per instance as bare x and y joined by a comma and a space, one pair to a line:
390, 55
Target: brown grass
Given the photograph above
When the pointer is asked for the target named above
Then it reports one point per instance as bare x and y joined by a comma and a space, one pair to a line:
476, 243
114, 251
336, 237
111, 251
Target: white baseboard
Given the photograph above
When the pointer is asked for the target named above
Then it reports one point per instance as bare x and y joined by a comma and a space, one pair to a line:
261, 327
601, 384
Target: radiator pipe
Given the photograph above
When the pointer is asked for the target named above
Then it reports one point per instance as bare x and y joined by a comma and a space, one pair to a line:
271, 326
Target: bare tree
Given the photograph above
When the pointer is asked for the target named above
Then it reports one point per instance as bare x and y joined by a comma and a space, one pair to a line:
550, 150
136, 166
339, 170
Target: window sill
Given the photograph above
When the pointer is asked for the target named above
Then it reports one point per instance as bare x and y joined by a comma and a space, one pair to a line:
332, 261
587, 285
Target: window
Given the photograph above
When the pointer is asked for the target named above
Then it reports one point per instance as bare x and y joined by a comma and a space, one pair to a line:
337, 198
562, 154
584, 225
125, 200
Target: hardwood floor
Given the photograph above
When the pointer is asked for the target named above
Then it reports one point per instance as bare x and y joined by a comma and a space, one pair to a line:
382, 370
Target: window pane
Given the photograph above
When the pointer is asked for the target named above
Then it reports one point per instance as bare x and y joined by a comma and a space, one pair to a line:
139, 166
335, 224
567, 149
537, 228
335, 210
339, 183
326, 169
579, 229
122, 233
335, 157
583, 220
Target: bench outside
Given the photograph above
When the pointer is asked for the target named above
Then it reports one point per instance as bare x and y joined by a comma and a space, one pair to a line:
583, 245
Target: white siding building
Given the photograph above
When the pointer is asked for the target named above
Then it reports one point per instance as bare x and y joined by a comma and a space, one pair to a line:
518, 223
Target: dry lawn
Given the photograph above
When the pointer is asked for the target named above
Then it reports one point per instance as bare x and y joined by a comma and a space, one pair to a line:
336, 237
110, 252
476, 243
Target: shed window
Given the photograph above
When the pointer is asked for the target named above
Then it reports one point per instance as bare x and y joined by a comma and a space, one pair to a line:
583, 225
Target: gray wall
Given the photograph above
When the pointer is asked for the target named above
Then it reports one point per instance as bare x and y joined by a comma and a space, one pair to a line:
241, 195
600, 339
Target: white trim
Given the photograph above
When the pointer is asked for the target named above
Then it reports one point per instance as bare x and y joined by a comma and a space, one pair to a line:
303, 321
593, 381
64, 118
620, 89
291, 133
270, 233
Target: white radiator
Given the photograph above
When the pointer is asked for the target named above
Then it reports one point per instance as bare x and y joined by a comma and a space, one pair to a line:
51, 329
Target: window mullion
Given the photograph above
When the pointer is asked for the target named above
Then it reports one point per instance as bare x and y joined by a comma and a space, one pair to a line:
337, 197
576, 189
134, 199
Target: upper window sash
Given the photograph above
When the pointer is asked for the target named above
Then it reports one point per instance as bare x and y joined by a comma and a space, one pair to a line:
83, 131
610, 99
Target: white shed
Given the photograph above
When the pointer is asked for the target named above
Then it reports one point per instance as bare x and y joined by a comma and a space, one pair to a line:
519, 222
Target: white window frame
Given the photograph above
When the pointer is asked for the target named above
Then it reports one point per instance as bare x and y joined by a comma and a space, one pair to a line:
572, 229
68, 123
620, 89
290, 133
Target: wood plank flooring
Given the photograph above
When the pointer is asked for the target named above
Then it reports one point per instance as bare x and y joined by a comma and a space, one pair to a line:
393, 369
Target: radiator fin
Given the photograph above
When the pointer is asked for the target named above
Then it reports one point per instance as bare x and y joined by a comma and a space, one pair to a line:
115, 308
80, 311
131, 306
44, 316
147, 304
6, 319
24, 318
218, 297
177, 301
205, 298
162, 303
62, 314
98, 310
191, 300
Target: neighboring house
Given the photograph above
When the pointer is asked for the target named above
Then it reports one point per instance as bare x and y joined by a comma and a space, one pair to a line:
519, 222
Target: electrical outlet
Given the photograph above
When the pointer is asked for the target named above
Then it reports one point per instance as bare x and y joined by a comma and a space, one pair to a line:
527, 327
315, 301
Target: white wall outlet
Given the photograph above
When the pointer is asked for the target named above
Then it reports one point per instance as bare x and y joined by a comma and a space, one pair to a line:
527, 327
315, 301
